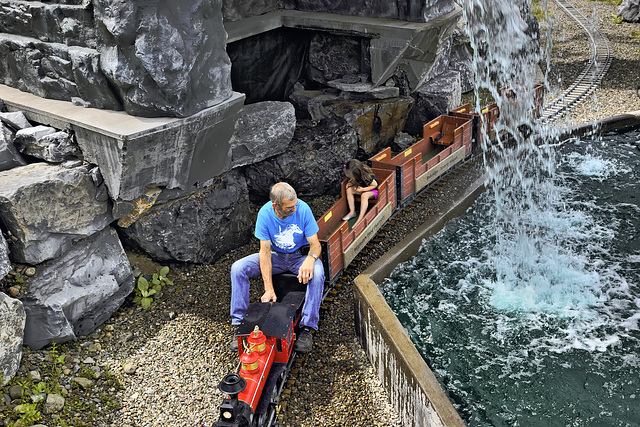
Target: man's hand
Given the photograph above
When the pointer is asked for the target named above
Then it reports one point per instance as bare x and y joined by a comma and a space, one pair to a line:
306, 270
268, 296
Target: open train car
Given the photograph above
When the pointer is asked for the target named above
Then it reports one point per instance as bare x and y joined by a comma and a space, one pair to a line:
511, 99
446, 141
487, 118
342, 240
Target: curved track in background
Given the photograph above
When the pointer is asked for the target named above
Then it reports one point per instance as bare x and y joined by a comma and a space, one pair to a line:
592, 75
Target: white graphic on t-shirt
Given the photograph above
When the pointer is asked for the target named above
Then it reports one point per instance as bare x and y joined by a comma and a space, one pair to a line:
284, 239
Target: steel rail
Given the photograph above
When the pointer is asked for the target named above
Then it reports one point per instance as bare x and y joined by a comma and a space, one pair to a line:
590, 79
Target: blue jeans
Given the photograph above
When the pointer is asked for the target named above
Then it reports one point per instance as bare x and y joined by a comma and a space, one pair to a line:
249, 266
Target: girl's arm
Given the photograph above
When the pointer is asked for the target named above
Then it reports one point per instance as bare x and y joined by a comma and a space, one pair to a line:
372, 186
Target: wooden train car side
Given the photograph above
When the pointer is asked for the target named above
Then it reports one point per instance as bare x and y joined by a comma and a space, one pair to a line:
341, 242
446, 141
487, 118
511, 99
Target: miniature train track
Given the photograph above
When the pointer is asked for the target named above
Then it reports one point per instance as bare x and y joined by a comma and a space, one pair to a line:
592, 75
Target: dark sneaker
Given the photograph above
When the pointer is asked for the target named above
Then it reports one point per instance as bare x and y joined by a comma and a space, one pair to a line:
234, 343
304, 341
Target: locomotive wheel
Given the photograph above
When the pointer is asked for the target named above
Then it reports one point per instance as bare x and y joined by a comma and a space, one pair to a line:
268, 418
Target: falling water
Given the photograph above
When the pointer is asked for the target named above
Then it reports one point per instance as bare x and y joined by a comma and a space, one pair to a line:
527, 307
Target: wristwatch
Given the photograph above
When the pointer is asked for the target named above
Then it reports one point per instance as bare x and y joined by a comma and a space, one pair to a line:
314, 256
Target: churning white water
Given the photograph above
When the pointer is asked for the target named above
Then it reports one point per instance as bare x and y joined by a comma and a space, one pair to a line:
527, 307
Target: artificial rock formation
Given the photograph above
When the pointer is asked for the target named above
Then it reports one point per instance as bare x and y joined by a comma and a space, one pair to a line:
47, 208
5, 263
146, 57
76, 292
629, 10
263, 130
198, 228
46, 143
412, 10
433, 99
163, 58
9, 155
312, 164
12, 321
375, 121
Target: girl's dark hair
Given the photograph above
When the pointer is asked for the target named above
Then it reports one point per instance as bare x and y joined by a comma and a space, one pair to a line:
358, 173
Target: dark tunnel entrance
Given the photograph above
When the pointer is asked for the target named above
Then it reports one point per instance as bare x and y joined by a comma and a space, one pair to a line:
267, 66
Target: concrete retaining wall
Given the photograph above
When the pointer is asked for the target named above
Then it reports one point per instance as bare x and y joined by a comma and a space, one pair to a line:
412, 388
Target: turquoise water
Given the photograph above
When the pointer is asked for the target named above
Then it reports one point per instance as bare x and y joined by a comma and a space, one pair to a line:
532, 318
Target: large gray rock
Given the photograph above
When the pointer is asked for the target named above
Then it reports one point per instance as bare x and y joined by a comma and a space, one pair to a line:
441, 63
9, 155
235, 10
313, 162
629, 10
435, 8
12, 322
5, 262
263, 130
76, 292
163, 58
16, 120
433, 99
198, 228
412, 10
332, 57
65, 22
461, 60
375, 121
46, 143
56, 71
47, 208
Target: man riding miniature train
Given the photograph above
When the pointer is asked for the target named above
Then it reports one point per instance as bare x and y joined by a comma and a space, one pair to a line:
284, 225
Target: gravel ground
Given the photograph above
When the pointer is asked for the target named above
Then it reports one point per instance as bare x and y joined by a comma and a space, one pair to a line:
167, 361
571, 52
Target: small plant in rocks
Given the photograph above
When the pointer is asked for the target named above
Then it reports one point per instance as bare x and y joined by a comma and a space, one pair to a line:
26, 410
146, 289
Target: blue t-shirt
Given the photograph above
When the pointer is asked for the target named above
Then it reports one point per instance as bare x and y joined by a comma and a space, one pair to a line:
289, 234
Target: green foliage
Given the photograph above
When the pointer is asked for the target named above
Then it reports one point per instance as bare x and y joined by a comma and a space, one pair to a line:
79, 409
87, 372
537, 11
146, 290
636, 35
615, 18
113, 379
610, 2
28, 414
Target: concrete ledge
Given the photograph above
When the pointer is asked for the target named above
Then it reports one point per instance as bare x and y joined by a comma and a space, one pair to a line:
619, 122
395, 43
136, 152
412, 388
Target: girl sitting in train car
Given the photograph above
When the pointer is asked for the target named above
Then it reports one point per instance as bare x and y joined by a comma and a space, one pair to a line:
361, 182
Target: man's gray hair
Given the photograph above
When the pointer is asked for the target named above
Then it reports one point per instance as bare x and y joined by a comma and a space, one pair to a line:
280, 192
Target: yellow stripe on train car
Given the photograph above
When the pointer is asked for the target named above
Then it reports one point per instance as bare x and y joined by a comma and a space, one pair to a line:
409, 151
381, 157
485, 110
434, 125
328, 216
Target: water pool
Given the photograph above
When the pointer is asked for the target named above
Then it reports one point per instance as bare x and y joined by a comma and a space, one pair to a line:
540, 328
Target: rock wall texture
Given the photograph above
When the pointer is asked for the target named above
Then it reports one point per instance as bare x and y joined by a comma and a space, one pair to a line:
150, 58
410, 10
70, 197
